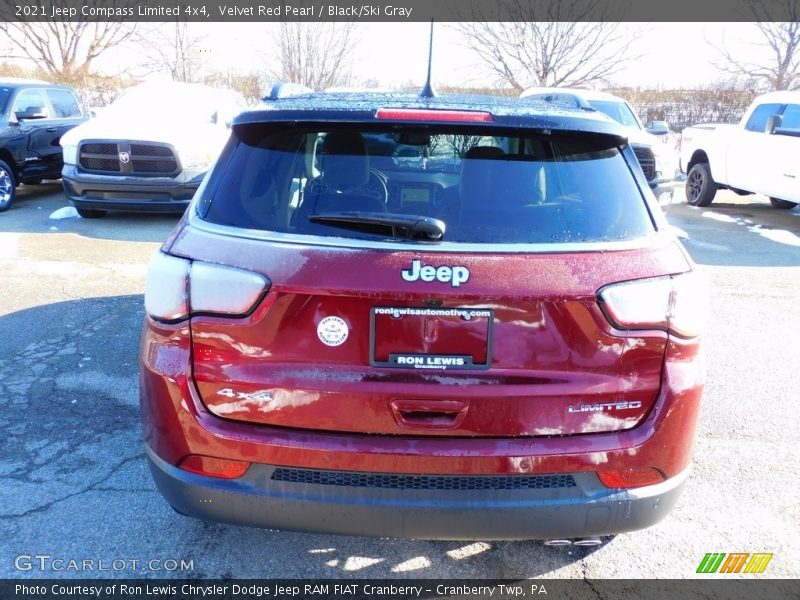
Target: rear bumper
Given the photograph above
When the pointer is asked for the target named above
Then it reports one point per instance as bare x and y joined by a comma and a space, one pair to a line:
111, 192
585, 508
176, 423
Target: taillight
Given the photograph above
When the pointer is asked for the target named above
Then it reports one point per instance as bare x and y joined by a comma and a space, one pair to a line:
676, 304
210, 466
165, 296
177, 288
223, 290
630, 478
689, 310
426, 114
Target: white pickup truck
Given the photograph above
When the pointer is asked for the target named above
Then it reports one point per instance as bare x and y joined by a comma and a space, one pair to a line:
760, 155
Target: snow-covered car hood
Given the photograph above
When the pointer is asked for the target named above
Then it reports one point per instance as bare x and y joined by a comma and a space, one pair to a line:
135, 128
641, 137
663, 146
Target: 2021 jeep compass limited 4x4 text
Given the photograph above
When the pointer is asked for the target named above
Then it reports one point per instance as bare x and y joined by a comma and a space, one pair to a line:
496, 338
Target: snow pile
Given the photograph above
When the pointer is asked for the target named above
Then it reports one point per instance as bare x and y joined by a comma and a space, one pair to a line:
68, 212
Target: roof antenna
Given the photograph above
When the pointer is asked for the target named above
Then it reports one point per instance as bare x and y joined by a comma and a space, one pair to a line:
427, 90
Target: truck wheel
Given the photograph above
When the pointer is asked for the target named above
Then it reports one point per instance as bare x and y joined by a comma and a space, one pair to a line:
700, 186
785, 204
91, 213
8, 187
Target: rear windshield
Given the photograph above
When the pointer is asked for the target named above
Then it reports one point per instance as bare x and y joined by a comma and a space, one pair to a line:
428, 184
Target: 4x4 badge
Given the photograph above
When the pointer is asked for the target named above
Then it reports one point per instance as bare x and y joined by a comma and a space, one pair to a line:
455, 276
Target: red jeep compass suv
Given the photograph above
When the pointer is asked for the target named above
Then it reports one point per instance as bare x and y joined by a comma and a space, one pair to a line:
485, 331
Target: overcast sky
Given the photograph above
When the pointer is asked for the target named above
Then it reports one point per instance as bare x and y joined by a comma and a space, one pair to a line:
672, 54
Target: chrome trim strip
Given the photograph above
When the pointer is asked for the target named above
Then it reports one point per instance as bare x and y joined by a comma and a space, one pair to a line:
651, 240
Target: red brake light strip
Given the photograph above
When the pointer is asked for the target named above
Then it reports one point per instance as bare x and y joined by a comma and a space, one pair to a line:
417, 114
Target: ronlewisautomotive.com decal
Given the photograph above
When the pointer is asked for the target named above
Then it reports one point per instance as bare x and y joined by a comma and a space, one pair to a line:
401, 311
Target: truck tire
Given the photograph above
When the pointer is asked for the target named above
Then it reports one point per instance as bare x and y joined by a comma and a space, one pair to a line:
8, 186
700, 186
785, 204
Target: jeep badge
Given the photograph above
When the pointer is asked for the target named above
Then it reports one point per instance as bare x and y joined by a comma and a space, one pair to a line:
455, 276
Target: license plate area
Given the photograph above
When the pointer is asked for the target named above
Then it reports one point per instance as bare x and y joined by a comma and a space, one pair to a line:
436, 339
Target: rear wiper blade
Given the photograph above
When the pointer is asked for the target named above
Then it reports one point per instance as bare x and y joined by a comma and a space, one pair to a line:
395, 224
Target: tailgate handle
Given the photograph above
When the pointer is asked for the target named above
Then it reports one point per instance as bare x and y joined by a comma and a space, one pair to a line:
429, 414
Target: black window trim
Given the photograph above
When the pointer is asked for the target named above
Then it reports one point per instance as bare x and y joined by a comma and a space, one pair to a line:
201, 223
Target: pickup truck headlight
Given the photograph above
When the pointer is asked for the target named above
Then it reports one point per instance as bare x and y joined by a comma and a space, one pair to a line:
195, 159
70, 154
666, 161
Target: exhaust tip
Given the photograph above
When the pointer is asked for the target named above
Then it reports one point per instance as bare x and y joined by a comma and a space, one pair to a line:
587, 542
558, 542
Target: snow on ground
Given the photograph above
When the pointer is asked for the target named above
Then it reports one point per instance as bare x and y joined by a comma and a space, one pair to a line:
777, 235
781, 236
68, 212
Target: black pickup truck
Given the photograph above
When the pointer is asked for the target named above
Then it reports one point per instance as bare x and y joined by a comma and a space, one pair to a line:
33, 117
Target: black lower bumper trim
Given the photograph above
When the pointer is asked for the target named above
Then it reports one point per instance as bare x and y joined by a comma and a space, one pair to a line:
257, 499
139, 194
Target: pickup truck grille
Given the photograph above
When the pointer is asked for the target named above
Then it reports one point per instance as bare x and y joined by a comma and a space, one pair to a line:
646, 160
122, 157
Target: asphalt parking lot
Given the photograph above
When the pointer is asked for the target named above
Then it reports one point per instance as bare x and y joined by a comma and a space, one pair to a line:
75, 484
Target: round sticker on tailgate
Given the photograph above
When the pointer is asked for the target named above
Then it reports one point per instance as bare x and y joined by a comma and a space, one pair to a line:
332, 331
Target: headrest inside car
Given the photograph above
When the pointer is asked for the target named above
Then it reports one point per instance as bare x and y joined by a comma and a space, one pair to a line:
346, 162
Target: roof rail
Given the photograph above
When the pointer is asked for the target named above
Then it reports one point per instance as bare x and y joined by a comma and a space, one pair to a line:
285, 90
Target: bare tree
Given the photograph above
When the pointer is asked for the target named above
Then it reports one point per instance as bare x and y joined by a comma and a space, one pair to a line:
64, 50
781, 70
173, 48
317, 55
247, 84
459, 145
550, 44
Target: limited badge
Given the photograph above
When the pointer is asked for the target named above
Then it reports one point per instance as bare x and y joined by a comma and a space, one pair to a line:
332, 331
